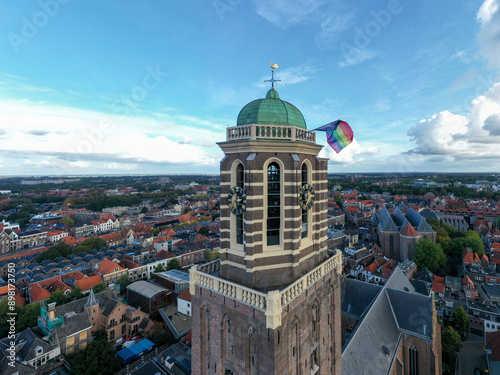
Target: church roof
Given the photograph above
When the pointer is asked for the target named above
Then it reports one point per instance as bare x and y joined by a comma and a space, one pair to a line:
410, 231
271, 110
376, 337
92, 300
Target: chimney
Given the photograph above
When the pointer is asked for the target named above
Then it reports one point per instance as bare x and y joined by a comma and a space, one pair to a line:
52, 310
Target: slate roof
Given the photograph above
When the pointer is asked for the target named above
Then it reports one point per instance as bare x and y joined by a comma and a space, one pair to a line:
72, 324
357, 296
409, 317
108, 304
424, 275
77, 306
420, 287
375, 340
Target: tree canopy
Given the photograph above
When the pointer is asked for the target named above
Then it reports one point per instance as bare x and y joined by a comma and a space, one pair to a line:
468, 239
429, 255
27, 316
98, 358
173, 264
461, 320
451, 343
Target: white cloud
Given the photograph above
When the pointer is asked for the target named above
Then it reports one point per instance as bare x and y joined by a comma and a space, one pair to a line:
355, 55
64, 138
473, 137
290, 76
489, 32
285, 13
353, 153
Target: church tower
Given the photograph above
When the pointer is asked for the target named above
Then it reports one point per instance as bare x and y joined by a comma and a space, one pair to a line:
271, 304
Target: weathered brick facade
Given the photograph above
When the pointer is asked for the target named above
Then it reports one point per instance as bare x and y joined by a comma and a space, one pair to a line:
233, 336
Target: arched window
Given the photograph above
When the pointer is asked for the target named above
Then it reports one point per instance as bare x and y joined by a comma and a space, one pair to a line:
240, 182
413, 360
252, 351
304, 212
227, 348
273, 204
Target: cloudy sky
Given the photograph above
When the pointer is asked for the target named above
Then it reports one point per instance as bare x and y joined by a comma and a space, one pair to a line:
131, 87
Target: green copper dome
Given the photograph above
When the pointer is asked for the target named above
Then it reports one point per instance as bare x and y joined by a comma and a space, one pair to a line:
271, 111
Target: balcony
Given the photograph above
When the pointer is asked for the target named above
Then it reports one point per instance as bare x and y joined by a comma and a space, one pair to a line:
270, 132
271, 303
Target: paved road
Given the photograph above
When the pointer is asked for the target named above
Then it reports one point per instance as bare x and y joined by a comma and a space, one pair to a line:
471, 356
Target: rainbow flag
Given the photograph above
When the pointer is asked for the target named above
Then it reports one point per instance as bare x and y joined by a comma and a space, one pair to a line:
338, 134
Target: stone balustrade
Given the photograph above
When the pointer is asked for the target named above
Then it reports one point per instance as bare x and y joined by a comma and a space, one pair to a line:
273, 302
255, 131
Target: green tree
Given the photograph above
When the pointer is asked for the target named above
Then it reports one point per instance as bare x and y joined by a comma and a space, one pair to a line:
203, 230
94, 243
81, 249
98, 358
159, 268
101, 335
338, 200
451, 344
173, 264
461, 320
468, 239
186, 210
429, 255
144, 210
154, 231
124, 281
58, 297
100, 287
67, 221
75, 294
27, 316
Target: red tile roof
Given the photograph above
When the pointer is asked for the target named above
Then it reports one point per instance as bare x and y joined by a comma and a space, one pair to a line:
186, 295
437, 287
410, 231
37, 293
439, 279
75, 275
88, 282
108, 266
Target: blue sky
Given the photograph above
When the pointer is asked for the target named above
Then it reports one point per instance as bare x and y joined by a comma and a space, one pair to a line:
136, 87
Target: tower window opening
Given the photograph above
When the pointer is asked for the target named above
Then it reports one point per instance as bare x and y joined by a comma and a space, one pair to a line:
304, 212
240, 182
413, 360
273, 204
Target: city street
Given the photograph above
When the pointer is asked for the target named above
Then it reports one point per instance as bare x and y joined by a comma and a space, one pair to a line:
471, 356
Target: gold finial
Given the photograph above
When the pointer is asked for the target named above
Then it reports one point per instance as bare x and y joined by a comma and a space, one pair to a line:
272, 80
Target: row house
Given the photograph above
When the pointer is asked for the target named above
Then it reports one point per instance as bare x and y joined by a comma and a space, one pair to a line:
110, 271
469, 288
56, 235
31, 239
104, 225
112, 239
83, 229
480, 274
480, 314
135, 271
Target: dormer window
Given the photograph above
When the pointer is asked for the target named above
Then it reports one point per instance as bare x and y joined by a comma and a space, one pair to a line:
39, 350
116, 269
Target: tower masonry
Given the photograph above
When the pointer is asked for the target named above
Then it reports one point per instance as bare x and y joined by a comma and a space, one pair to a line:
271, 304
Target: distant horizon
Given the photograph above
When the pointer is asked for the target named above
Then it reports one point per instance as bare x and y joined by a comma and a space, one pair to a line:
218, 174
125, 87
